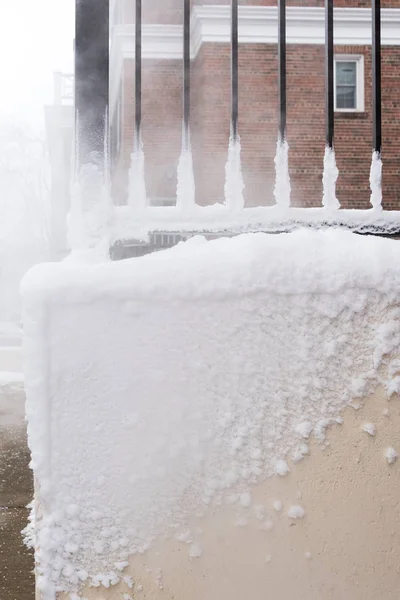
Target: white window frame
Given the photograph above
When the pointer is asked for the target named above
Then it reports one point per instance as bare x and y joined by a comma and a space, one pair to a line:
359, 60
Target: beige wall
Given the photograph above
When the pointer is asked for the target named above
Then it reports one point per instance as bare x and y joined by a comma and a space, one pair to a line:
351, 529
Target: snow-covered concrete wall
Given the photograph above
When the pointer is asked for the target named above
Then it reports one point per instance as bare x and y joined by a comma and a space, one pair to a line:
166, 389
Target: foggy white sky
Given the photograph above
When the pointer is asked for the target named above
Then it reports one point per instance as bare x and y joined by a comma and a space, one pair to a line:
36, 38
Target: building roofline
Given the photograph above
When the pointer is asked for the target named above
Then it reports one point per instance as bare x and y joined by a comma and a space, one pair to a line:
257, 25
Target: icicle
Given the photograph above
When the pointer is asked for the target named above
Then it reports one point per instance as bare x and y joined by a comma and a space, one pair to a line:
375, 181
137, 186
234, 184
185, 192
329, 179
282, 178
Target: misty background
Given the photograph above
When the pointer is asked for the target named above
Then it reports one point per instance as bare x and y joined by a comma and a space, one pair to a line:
36, 40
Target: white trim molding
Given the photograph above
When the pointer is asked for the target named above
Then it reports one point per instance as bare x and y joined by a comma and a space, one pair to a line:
359, 60
257, 25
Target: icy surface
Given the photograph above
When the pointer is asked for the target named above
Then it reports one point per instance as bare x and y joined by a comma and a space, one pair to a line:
159, 387
375, 181
329, 178
234, 184
282, 178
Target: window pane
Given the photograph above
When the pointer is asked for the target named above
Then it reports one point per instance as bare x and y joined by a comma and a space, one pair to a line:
346, 97
346, 73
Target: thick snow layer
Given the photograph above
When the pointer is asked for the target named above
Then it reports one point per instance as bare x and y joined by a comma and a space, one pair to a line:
217, 218
161, 386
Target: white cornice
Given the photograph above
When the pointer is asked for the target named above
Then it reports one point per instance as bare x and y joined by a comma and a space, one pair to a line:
159, 41
257, 25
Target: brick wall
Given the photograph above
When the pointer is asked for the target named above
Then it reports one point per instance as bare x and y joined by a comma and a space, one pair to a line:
161, 127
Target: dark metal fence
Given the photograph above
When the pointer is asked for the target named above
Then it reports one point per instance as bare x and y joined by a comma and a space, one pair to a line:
92, 63
329, 78
92, 73
376, 76
282, 68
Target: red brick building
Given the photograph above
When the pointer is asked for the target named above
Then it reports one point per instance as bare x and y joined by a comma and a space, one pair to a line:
258, 98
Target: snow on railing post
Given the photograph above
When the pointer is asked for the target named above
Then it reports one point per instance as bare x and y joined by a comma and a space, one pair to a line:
137, 187
90, 198
185, 193
234, 184
376, 164
282, 177
330, 172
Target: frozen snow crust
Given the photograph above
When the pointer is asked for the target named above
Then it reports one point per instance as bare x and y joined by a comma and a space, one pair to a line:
166, 386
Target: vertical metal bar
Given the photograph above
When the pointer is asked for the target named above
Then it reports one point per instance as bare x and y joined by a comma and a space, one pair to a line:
329, 91
186, 72
376, 76
138, 72
282, 67
235, 67
91, 79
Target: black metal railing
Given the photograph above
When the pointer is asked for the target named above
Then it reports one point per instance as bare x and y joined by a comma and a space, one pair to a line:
376, 77
186, 72
329, 76
92, 73
282, 68
91, 79
234, 69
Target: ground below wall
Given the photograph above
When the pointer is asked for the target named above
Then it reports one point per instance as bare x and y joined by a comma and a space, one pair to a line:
16, 490
347, 546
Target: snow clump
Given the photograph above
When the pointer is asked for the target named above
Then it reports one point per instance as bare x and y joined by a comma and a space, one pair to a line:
296, 512
391, 455
369, 428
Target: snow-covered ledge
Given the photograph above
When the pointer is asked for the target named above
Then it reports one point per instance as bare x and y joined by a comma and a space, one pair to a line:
130, 224
172, 403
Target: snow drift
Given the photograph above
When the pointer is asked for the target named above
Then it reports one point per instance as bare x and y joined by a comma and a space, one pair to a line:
159, 387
